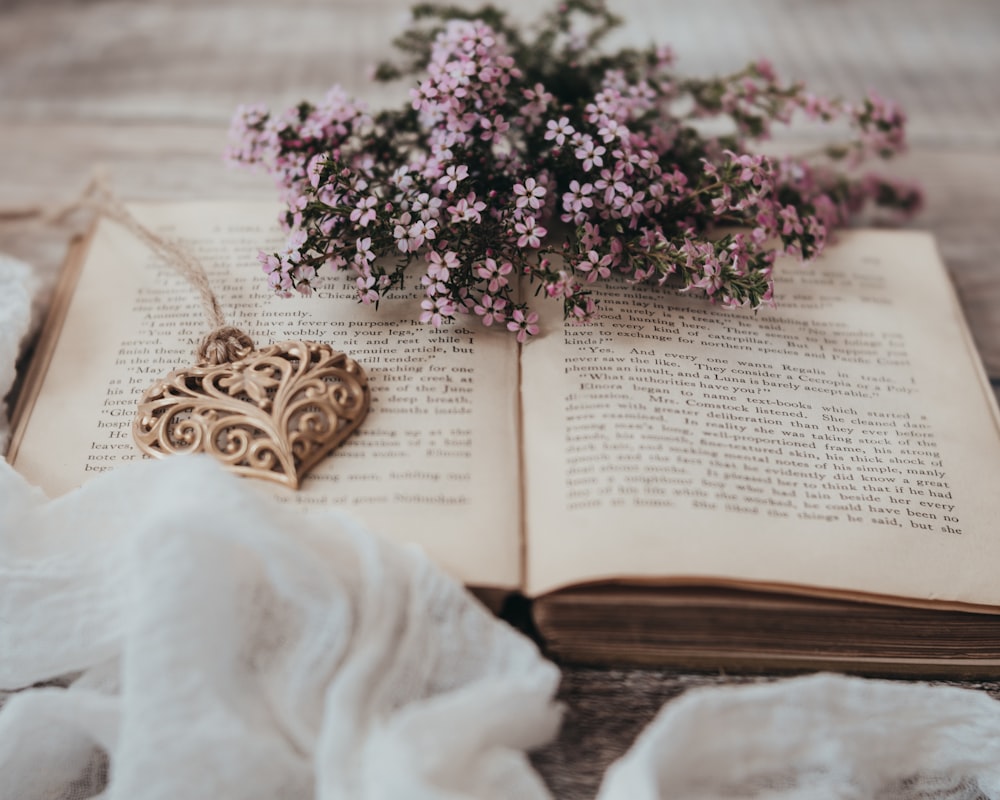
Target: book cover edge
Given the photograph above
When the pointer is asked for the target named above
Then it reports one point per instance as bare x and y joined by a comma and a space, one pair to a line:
48, 337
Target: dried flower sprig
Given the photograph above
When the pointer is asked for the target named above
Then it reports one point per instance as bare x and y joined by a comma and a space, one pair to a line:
511, 138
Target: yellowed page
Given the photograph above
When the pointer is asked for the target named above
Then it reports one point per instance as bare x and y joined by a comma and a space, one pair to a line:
841, 441
436, 460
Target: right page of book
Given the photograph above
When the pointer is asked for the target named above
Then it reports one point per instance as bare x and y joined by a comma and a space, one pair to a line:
843, 441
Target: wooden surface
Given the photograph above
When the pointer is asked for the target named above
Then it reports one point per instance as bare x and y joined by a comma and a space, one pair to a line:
147, 89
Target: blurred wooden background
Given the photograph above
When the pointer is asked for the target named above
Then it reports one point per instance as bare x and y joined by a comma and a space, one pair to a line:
147, 89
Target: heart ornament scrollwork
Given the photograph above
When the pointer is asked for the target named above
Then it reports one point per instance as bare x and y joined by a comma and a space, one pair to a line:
274, 413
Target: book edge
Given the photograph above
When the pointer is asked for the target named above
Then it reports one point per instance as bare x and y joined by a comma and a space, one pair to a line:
749, 663
962, 321
804, 591
573, 640
51, 330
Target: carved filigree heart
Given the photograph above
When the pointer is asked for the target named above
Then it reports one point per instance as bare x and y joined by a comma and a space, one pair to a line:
274, 413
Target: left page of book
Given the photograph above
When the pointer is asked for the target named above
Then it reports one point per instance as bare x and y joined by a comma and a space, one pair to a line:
434, 463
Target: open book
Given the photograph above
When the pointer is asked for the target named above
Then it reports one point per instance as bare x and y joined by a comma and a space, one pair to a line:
815, 484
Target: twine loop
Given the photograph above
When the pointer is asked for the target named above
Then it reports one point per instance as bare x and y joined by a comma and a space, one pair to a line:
224, 345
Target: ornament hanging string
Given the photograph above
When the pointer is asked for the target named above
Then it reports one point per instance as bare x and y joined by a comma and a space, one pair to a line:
224, 343
272, 413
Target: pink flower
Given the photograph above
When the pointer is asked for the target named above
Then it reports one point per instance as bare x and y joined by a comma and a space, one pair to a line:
578, 197
530, 194
364, 212
711, 280
495, 273
559, 131
882, 126
268, 262
722, 203
755, 170
420, 231
563, 286
595, 266
468, 209
665, 56
816, 107
590, 153
790, 221
633, 206
583, 309
613, 185
436, 310
432, 286
493, 129
401, 233
367, 293
538, 101
364, 254
611, 130
314, 169
524, 325
453, 176
428, 207
765, 69
439, 267
491, 309
591, 238
531, 234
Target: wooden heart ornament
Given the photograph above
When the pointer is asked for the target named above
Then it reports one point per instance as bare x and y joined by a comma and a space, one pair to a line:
272, 413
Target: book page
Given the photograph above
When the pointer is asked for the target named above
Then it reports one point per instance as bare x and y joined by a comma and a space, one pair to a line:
840, 441
436, 460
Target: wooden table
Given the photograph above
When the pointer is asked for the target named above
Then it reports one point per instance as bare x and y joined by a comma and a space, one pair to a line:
148, 88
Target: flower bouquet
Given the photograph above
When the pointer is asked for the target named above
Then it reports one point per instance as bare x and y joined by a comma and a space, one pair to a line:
541, 155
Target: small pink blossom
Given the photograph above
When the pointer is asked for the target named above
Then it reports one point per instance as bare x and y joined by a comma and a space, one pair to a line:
468, 209
364, 255
578, 197
440, 266
564, 286
269, 262
436, 311
493, 129
595, 266
711, 279
582, 310
524, 325
559, 131
495, 273
590, 153
367, 293
531, 234
530, 194
364, 212
491, 309
421, 231
453, 176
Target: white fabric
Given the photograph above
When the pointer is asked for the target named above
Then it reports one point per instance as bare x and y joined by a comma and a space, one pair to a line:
823, 736
232, 649
221, 646
210, 644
